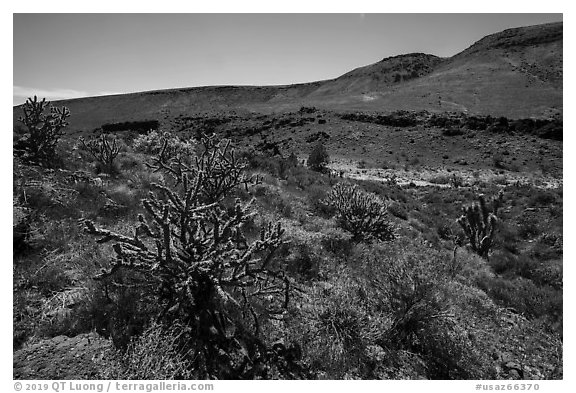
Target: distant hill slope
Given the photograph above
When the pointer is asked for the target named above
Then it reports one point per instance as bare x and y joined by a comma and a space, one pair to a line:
380, 76
514, 73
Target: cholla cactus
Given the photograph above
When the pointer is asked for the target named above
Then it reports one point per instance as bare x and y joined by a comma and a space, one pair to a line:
194, 248
104, 149
361, 213
44, 131
216, 167
479, 224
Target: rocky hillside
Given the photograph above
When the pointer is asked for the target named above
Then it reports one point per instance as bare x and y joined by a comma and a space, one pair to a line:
516, 73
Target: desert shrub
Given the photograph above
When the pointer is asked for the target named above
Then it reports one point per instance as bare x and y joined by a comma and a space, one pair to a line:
549, 274
529, 226
49, 280
451, 354
276, 165
272, 198
318, 159
303, 178
207, 274
104, 149
514, 265
479, 224
337, 241
333, 335
542, 198
361, 213
271, 164
152, 143
316, 199
343, 324
143, 179
113, 309
388, 189
43, 131
432, 198
444, 230
156, 354
302, 260
411, 285
548, 246
524, 296
398, 210
129, 162
508, 237
122, 200
46, 197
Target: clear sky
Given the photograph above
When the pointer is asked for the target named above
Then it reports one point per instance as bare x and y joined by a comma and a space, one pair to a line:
73, 55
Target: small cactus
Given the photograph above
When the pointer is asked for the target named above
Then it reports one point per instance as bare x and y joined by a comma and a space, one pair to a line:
104, 149
479, 223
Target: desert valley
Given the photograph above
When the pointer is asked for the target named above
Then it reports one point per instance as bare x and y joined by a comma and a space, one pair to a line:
401, 221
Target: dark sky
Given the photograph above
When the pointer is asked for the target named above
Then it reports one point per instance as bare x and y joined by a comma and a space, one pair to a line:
73, 55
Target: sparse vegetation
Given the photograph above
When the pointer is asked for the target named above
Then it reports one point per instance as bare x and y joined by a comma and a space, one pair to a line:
194, 282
